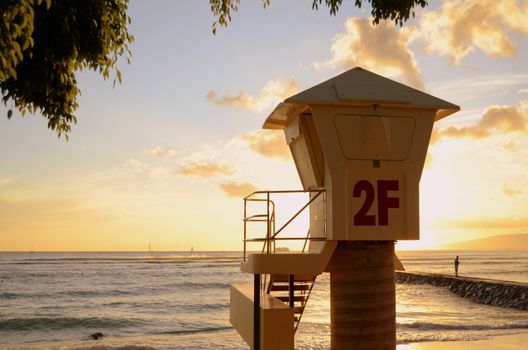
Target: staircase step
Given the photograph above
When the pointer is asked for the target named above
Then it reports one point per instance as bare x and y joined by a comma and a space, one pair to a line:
298, 309
285, 287
298, 278
280, 286
286, 299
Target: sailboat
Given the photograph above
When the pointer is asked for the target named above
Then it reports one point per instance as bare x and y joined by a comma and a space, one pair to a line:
192, 249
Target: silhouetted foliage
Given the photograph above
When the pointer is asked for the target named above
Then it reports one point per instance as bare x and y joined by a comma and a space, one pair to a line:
398, 11
43, 43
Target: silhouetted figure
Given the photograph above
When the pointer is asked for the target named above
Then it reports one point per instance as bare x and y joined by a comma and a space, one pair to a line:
97, 335
457, 262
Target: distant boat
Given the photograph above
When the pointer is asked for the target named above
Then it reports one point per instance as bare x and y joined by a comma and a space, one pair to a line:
150, 249
282, 249
192, 249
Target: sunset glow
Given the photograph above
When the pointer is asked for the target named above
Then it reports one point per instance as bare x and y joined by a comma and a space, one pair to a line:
165, 157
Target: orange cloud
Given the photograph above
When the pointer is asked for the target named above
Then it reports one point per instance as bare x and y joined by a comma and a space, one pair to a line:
382, 48
205, 169
268, 143
237, 190
503, 119
162, 152
272, 93
511, 192
471, 131
435, 136
459, 27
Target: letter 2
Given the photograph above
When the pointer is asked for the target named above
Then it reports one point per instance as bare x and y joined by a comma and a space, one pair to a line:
362, 218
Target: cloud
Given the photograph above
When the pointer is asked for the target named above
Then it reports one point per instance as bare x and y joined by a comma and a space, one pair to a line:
503, 119
162, 152
160, 173
459, 27
436, 135
382, 48
237, 190
4, 181
511, 192
268, 143
428, 160
271, 94
511, 145
205, 169
494, 86
523, 91
135, 165
470, 131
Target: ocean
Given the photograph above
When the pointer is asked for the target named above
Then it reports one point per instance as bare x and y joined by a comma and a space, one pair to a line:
180, 300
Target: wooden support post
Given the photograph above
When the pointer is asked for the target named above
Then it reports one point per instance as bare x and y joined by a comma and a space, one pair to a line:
291, 279
256, 311
362, 296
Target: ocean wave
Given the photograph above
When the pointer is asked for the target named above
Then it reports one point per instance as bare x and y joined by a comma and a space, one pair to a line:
469, 327
60, 323
198, 308
124, 347
223, 264
138, 259
88, 347
412, 337
93, 293
6, 295
73, 293
198, 330
205, 285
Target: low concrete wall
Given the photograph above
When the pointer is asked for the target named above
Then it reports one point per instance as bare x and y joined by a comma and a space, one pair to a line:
490, 292
276, 318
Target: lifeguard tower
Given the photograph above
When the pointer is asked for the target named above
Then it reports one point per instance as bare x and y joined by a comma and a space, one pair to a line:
359, 142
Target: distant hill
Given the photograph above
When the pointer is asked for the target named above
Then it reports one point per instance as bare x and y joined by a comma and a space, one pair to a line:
499, 242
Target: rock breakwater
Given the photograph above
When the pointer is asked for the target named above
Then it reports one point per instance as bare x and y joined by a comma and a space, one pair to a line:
490, 292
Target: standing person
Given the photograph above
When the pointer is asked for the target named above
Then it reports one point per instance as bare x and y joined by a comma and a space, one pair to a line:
457, 262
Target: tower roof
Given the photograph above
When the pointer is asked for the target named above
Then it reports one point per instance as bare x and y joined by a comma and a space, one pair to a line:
357, 86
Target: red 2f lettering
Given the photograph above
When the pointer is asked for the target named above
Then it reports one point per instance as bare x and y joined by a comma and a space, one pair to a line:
362, 218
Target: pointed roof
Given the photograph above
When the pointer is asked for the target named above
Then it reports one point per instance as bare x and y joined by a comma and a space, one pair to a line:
357, 87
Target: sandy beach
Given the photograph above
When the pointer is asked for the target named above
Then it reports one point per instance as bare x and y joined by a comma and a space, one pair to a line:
506, 342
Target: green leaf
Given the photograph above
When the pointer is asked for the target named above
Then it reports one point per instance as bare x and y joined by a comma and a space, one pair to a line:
12, 72
46, 82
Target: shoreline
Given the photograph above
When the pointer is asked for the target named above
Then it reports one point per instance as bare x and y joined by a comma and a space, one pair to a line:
501, 342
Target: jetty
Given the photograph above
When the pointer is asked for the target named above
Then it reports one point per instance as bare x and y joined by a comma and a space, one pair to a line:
484, 291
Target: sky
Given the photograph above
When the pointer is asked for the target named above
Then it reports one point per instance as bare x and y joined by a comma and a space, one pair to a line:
165, 157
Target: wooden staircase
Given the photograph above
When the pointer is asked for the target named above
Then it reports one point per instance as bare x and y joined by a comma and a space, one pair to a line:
279, 287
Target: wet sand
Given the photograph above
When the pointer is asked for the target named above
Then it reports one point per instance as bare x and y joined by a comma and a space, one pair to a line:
506, 342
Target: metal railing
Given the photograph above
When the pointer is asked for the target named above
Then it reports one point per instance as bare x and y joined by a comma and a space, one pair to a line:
269, 218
